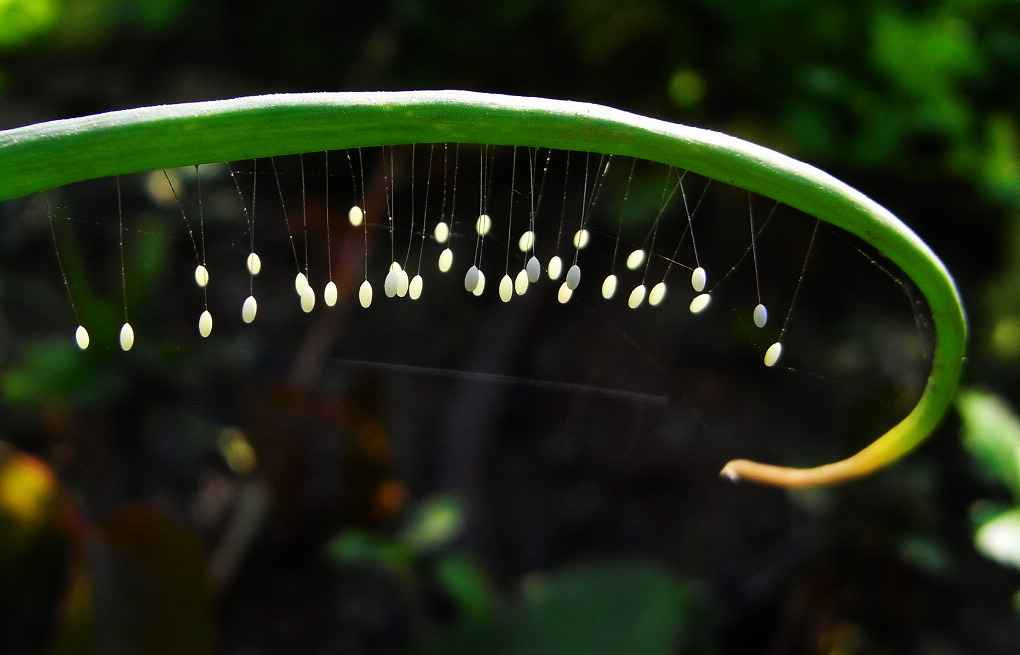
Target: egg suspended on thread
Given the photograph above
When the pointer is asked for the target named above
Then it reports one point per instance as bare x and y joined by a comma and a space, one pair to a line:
445, 260
480, 287
403, 282
521, 282
506, 288
609, 286
564, 294
656, 295
772, 354
483, 225
761, 315
81, 337
356, 216
390, 284
330, 294
534, 269
471, 279
414, 287
254, 263
127, 337
573, 277
441, 232
300, 282
637, 296
635, 259
526, 242
365, 294
392, 280
700, 303
205, 324
555, 268
307, 299
249, 309
581, 239
201, 276
698, 279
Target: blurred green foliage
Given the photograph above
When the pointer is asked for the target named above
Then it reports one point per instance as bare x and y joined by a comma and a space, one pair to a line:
601, 607
991, 432
426, 546
23, 20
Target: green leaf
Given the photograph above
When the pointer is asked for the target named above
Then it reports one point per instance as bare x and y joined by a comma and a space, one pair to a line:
991, 432
467, 585
999, 538
46, 155
52, 370
436, 522
357, 547
613, 607
23, 20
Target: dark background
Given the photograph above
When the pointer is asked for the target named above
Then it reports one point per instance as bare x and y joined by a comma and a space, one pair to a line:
374, 522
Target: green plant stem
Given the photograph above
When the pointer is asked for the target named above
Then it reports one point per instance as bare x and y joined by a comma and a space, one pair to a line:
47, 155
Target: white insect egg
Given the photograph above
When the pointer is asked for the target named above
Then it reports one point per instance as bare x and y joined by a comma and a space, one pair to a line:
527, 241
330, 294
403, 282
441, 232
205, 324
365, 294
581, 238
300, 282
201, 276
534, 269
564, 294
555, 268
127, 337
521, 282
248, 309
307, 299
390, 283
506, 288
573, 277
698, 279
471, 279
415, 286
657, 293
445, 260
81, 337
637, 296
635, 259
480, 287
254, 264
356, 215
773, 353
609, 286
761, 315
700, 303
483, 225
